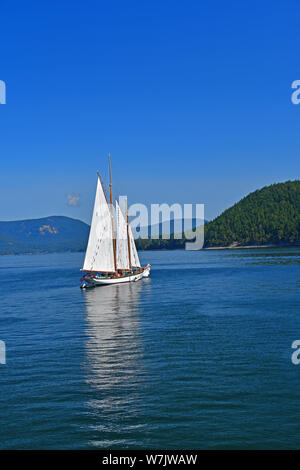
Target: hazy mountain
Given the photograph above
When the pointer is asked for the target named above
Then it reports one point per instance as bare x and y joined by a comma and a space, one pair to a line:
49, 234
171, 226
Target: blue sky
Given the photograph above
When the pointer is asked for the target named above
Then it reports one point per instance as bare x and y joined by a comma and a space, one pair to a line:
192, 99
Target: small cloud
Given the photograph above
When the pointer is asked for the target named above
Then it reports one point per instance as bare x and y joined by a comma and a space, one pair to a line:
73, 200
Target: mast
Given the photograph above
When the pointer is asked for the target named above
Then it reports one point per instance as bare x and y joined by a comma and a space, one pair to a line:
128, 241
112, 216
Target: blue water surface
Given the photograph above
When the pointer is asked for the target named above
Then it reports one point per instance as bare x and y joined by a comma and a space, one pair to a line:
198, 356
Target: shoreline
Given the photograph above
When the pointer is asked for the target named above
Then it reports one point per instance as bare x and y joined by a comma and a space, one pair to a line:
246, 247
235, 247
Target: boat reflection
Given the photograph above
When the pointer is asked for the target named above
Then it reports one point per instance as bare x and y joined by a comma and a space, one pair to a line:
113, 347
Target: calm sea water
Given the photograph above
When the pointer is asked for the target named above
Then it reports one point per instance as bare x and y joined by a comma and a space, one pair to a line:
197, 356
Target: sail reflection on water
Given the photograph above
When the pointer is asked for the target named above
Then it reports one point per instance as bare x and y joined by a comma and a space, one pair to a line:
113, 347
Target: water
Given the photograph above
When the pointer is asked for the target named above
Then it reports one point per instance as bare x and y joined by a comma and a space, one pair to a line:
197, 356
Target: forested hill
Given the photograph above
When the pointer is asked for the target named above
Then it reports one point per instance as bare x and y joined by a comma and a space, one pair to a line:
270, 215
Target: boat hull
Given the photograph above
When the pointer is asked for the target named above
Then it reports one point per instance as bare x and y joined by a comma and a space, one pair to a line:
93, 282
146, 271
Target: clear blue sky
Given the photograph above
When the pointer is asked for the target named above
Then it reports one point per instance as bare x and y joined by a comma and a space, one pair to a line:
192, 99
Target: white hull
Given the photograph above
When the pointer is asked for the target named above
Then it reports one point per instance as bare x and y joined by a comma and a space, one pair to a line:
146, 272
92, 282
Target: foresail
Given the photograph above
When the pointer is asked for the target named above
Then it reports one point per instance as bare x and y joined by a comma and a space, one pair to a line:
99, 254
135, 261
122, 240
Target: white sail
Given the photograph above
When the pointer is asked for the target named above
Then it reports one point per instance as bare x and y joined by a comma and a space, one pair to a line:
122, 240
99, 253
135, 261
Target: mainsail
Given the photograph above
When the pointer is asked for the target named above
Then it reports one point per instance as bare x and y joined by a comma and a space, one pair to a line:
122, 240
135, 261
99, 254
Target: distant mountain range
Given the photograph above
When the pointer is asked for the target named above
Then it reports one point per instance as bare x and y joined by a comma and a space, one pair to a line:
49, 234
269, 216
54, 234
172, 226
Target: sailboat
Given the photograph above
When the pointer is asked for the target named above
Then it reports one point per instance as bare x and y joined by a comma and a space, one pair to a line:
110, 258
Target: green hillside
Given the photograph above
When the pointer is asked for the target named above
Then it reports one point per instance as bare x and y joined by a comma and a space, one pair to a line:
270, 215
49, 234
